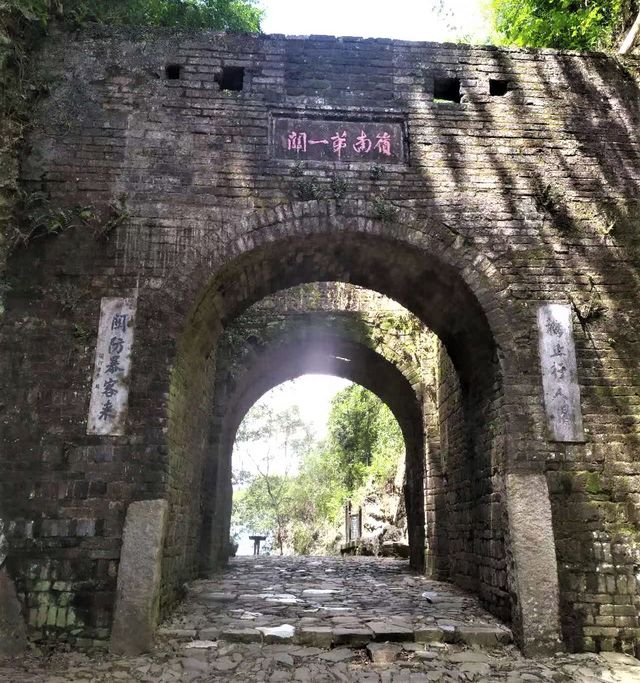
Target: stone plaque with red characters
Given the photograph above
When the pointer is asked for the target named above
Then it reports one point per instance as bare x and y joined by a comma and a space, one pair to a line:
339, 141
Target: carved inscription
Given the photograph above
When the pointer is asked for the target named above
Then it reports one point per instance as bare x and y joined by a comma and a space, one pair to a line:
559, 373
349, 141
110, 390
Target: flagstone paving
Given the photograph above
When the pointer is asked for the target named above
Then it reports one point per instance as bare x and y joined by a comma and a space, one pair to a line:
364, 620
325, 602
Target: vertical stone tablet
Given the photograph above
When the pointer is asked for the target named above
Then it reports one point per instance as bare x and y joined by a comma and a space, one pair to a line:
138, 595
559, 373
110, 389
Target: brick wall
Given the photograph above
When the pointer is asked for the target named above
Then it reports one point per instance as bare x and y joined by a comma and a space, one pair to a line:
504, 201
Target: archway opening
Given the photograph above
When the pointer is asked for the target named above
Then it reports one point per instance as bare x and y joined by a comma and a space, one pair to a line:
296, 348
318, 469
465, 484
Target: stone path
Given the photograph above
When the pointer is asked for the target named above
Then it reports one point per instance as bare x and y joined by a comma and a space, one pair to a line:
324, 619
325, 602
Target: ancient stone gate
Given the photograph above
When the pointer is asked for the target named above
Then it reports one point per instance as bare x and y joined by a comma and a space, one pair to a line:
474, 186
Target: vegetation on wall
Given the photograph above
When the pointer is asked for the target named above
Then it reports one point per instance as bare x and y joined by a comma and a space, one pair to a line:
22, 25
300, 509
563, 24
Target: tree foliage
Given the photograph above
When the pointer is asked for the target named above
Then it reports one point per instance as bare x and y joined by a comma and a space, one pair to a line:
561, 24
362, 430
275, 439
264, 507
280, 429
222, 15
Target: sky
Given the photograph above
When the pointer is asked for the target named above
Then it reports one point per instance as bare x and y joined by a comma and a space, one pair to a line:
400, 19
312, 394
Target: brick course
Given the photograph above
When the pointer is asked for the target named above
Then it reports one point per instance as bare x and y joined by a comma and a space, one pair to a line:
505, 202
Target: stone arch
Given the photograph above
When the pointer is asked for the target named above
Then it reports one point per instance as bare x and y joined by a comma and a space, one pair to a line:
366, 317
322, 351
330, 354
452, 288
194, 278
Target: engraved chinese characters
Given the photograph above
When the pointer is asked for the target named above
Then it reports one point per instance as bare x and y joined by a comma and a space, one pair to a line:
318, 140
110, 390
559, 372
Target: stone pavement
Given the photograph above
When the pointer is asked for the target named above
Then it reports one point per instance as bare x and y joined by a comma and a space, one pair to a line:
329, 601
364, 620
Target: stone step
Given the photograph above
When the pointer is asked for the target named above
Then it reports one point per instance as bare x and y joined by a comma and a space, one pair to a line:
353, 636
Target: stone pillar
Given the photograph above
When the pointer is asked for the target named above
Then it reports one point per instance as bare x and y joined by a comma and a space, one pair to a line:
534, 569
221, 523
138, 595
13, 638
414, 496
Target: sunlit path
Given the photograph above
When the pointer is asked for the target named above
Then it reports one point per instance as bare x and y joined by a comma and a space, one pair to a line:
327, 601
312, 619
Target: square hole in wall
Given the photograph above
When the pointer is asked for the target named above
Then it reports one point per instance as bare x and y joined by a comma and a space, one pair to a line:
446, 90
172, 71
231, 78
498, 87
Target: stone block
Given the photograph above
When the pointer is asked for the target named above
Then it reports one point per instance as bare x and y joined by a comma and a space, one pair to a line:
536, 568
13, 639
278, 634
285, 659
316, 636
356, 636
219, 597
342, 654
387, 631
483, 636
383, 653
209, 633
241, 635
138, 593
449, 632
179, 633
428, 634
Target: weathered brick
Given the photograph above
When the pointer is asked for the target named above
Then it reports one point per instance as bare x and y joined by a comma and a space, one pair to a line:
504, 202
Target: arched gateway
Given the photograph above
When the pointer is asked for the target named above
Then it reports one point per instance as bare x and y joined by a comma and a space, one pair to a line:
488, 217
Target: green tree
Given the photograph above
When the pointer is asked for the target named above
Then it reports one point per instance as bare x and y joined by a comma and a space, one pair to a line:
361, 429
264, 507
282, 430
317, 495
302, 510
221, 15
562, 24
274, 439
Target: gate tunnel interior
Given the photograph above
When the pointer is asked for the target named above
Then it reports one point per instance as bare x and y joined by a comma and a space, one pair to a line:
430, 285
320, 354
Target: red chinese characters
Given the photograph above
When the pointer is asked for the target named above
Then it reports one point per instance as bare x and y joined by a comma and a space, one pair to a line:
383, 144
297, 141
364, 144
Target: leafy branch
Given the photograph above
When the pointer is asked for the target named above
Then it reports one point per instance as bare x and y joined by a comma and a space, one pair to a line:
39, 218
